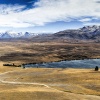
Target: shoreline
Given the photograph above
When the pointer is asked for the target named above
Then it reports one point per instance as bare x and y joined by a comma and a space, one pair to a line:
64, 64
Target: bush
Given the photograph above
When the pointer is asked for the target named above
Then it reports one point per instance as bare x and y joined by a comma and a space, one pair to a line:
96, 68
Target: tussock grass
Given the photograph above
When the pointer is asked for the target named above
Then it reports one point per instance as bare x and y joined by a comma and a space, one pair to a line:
73, 84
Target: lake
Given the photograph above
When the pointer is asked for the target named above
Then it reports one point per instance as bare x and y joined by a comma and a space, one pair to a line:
87, 63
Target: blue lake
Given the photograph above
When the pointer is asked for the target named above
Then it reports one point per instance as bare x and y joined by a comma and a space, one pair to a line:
87, 63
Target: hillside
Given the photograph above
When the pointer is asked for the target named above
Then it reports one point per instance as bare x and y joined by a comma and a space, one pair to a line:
87, 33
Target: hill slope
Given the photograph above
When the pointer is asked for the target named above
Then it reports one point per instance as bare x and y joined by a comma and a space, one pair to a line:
88, 33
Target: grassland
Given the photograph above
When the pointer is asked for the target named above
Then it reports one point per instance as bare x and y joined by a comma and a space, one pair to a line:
49, 84
31, 52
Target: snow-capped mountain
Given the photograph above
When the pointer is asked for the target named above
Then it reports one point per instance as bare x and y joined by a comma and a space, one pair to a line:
27, 35
86, 33
91, 33
5, 35
90, 28
8, 35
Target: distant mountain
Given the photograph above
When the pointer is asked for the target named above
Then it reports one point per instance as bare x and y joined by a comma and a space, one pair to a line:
5, 35
28, 35
9, 35
86, 33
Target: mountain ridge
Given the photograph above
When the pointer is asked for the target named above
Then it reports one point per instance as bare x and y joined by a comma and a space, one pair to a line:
86, 33
8, 35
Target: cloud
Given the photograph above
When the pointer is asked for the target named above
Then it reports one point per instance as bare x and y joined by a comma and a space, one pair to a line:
8, 9
98, 1
46, 11
85, 20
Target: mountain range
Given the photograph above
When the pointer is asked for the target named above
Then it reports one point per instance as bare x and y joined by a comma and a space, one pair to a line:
86, 33
9, 35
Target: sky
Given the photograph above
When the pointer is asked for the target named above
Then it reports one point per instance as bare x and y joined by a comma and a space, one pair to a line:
50, 16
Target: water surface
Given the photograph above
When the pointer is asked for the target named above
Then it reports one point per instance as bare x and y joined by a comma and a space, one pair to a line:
87, 63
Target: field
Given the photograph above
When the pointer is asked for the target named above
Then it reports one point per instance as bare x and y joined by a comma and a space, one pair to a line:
30, 52
49, 84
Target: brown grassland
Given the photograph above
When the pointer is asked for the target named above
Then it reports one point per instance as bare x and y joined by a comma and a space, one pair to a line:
31, 52
47, 83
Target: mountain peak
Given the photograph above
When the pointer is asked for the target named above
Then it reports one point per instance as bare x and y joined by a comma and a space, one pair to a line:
92, 28
6, 35
85, 33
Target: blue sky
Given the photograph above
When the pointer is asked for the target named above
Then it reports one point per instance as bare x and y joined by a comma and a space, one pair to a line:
48, 15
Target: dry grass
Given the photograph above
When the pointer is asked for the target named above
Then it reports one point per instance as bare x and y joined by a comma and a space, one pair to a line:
28, 52
64, 84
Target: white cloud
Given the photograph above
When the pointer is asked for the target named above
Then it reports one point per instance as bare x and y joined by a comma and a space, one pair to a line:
8, 9
85, 20
49, 11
